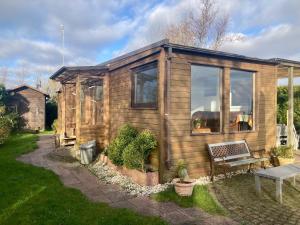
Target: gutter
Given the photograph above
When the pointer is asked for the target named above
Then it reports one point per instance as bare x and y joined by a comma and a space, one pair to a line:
167, 109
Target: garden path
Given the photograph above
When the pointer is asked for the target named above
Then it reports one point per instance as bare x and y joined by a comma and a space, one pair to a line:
72, 174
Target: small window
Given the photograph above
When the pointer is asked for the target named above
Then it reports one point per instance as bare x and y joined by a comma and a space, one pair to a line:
241, 100
144, 87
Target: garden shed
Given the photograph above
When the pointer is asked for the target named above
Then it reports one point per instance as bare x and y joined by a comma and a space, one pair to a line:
188, 97
30, 104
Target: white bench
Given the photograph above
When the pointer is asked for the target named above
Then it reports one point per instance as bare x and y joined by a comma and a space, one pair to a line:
232, 154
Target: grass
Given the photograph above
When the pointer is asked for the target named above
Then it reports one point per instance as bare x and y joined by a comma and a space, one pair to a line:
201, 198
32, 195
46, 132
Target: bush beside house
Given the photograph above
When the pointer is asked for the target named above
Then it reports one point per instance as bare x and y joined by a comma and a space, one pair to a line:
9, 121
129, 154
125, 136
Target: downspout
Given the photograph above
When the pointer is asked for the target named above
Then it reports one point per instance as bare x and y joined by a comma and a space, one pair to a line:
167, 108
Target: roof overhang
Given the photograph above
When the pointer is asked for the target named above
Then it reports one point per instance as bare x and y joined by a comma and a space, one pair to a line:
284, 65
65, 74
24, 86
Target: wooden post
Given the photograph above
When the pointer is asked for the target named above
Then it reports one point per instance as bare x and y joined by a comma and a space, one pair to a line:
226, 100
162, 77
290, 116
78, 107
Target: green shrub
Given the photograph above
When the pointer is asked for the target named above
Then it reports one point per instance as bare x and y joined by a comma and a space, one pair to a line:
137, 152
54, 126
125, 136
5, 129
283, 151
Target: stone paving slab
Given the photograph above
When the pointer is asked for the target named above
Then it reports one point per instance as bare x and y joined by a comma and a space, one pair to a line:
75, 176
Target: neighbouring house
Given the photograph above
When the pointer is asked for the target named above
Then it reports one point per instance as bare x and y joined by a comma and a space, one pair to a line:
30, 103
188, 97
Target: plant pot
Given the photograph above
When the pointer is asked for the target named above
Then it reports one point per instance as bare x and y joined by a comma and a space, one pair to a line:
103, 158
285, 161
184, 188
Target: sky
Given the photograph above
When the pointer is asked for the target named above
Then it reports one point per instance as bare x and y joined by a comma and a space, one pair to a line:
98, 30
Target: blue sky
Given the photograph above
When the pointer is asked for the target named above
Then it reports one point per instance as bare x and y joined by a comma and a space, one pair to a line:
97, 30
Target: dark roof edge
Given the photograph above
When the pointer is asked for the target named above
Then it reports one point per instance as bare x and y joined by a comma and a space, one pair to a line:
135, 52
76, 68
281, 60
28, 86
166, 43
220, 54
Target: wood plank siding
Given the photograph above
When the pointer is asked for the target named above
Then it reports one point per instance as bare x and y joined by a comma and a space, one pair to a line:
170, 121
193, 148
30, 104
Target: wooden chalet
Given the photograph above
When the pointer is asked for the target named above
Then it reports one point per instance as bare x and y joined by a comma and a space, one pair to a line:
189, 97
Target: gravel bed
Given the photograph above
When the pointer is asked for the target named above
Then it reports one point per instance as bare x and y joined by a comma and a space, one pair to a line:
110, 176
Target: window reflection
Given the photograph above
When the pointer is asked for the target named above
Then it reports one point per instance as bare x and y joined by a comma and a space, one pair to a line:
205, 99
145, 86
241, 100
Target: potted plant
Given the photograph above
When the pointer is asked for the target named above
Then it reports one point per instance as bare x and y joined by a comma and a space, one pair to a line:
183, 185
197, 123
282, 155
103, 156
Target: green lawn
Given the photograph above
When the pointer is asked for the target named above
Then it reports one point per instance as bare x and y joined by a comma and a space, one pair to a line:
47, 132
201, 198
32, 195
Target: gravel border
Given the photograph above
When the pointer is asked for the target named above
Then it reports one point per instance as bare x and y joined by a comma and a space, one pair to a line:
110, 176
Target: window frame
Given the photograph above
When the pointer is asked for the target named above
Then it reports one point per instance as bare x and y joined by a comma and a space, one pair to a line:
221, 99
254, 73
133, 72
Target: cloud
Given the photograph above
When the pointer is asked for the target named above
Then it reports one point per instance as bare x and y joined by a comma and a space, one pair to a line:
97, 30
277, 41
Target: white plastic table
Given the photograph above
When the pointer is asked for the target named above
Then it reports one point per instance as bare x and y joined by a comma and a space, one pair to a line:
278, 174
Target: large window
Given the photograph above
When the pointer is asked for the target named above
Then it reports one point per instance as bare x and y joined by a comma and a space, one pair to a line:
205, 99
144, 87
241, 100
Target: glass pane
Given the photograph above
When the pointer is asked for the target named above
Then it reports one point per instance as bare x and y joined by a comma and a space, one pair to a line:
241, 100
145, 83
205, 99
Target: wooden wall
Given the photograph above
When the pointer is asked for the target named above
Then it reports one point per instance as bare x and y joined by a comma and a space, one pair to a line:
31, 106
193, 148
120, 110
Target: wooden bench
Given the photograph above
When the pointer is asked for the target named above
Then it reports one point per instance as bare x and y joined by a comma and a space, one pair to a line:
232, 154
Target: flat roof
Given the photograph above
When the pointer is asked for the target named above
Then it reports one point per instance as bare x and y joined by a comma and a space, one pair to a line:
165, 43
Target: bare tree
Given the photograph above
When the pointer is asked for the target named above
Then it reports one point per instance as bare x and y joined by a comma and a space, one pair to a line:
3, 75
50, 87
21, 75
203, 26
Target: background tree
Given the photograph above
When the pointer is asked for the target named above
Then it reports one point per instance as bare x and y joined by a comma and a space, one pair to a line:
282, 106
204, 26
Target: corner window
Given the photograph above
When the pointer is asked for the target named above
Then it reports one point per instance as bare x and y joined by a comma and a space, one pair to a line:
144, 87
205, 99
241, 100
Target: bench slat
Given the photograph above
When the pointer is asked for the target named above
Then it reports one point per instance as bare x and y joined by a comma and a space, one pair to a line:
244, 162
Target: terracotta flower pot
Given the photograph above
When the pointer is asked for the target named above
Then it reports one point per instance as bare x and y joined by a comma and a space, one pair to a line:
285, 161
184, 188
